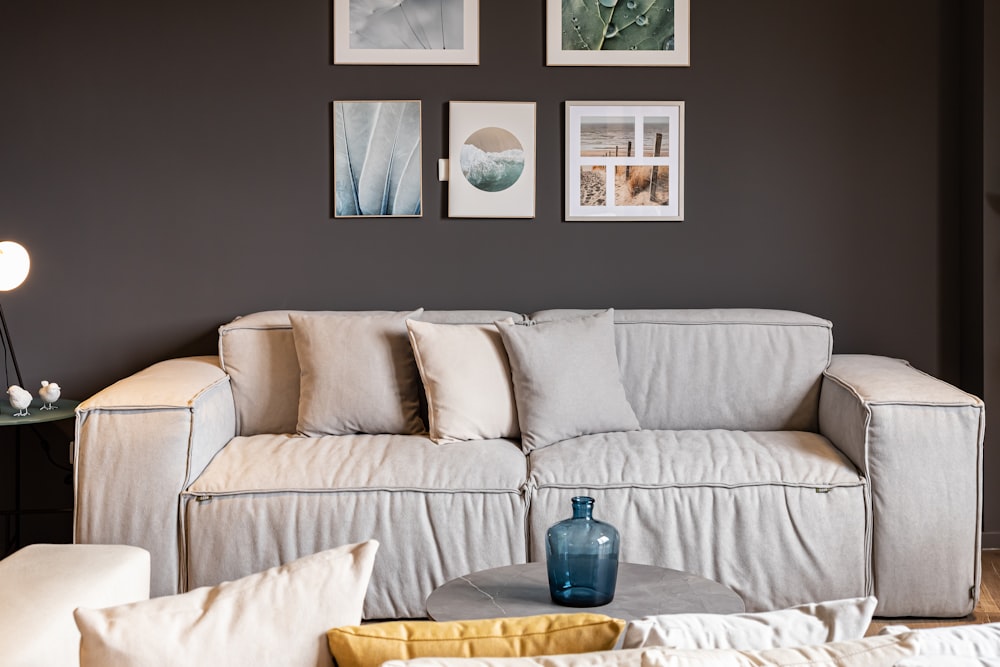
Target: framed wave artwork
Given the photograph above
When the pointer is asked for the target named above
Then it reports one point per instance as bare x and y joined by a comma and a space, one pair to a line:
491, 160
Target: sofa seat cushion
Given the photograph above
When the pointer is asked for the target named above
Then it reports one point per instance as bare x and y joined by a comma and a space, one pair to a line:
780, 517
263, 463
684, 458
439, 511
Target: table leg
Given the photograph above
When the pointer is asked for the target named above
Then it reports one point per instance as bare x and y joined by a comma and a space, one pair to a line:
17, 489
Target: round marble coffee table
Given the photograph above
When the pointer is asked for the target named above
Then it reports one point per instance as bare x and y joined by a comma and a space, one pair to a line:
523, 590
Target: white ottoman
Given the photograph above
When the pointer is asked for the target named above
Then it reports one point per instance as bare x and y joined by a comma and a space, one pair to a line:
42, 584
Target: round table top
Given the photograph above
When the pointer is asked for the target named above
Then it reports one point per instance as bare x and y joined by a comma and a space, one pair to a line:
523, 590
64, 409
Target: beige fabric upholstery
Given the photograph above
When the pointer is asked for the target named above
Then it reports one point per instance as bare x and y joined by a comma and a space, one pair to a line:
43, 583
258, 353
764, 371
758, 467
780, 517
439, 511
139, 444
918, 441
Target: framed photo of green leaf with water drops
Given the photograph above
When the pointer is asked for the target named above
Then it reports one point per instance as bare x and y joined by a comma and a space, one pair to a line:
406, 32
619, 32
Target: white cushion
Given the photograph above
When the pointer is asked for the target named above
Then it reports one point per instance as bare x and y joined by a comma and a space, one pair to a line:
970, 640
466, 379
838, 620
947, 661
880, 651
276, 617
43, 583
357, 373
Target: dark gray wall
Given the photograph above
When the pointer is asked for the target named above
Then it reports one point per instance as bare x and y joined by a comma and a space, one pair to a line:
989, 209
168, 167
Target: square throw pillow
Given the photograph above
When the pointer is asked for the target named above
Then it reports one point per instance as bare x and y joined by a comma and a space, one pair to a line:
371, 645
837, 620
358, 374
869, 652
276, 617
566, 379
466, 379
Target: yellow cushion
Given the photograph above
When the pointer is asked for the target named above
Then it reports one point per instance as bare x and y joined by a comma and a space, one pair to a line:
550, 634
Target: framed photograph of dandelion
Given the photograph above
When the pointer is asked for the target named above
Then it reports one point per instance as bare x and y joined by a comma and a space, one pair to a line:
618, 32
406, 32
491, 159
376, 160
624, 161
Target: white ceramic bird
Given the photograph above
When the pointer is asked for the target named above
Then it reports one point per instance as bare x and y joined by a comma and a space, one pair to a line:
49, 393
20, 399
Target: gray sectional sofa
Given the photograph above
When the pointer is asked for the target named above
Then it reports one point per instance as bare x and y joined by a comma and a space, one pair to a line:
762, 461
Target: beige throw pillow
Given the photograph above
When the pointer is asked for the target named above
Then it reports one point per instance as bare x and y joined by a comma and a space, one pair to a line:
357, 374
466, 379
837, 620
276, 617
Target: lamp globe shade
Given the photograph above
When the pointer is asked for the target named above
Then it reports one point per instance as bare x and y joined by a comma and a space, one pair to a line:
14, 265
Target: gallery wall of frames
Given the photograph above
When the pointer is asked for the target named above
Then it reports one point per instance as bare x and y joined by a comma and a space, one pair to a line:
624, 160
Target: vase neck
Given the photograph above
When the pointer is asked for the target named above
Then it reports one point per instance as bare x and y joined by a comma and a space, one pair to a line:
583, 507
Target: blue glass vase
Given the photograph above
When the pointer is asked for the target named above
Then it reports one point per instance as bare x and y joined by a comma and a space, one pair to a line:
581, 554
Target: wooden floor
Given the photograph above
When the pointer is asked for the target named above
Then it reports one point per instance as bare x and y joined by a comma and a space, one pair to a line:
987, 611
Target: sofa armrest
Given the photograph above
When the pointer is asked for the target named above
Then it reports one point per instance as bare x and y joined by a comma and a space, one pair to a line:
139, 444
919, 443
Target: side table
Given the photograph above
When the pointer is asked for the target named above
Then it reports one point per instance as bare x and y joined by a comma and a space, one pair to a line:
64, 409
523, 590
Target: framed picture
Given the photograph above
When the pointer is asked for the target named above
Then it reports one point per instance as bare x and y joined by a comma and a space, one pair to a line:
618, 32
624, 161
406, 32
491, 160
376, 159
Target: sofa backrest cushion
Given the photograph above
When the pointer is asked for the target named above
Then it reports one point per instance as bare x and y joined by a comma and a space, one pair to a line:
745, 369
258, 353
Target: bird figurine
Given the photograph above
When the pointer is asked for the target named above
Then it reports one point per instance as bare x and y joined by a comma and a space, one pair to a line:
49, 393
20, 399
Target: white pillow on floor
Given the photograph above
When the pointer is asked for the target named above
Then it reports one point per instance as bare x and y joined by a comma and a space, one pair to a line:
837, 620
879, 651
971, 641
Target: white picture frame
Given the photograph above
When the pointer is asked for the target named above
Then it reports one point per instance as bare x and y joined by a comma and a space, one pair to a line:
406, 32
377, 159
491, 160
655, 33
613, 171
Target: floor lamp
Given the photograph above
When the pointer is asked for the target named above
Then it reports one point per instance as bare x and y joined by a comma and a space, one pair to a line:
14, 266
